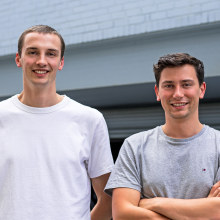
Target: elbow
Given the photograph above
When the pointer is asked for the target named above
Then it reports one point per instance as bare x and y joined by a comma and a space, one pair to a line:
119, 213
119, 218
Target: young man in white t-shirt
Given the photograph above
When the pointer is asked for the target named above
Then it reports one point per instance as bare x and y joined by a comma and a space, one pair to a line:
51, 147
173, 170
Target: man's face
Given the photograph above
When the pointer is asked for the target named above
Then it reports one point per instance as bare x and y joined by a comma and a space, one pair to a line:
179, 92
40, 59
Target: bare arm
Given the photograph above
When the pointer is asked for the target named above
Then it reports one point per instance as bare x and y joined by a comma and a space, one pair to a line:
125, 206
102, 209
204, 209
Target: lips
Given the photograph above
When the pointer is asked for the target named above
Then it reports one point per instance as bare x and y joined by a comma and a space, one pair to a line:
41, 72
179, 105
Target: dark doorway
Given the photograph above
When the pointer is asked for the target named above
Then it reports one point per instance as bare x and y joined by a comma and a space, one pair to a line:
115, 147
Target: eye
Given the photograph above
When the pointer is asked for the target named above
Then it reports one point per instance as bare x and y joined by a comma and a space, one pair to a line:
32, 52
187, 85
168, 86
51, 54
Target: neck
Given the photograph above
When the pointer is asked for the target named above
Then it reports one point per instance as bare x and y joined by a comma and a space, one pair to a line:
182, 128
39, 98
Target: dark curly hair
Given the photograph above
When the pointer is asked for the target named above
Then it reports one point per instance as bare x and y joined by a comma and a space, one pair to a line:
175, 60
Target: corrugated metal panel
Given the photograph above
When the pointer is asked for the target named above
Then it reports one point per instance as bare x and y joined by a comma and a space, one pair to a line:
210, 114
124, 122
127, 121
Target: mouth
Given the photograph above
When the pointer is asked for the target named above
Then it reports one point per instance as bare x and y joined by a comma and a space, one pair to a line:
179, 105
40, 72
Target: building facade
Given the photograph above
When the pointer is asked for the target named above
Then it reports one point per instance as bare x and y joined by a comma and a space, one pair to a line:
111, 48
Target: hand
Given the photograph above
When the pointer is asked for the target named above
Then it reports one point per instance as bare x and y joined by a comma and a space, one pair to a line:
215, 190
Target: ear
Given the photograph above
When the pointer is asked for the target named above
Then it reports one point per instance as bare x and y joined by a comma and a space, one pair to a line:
61, 63
18, 60
202, 90
156, 89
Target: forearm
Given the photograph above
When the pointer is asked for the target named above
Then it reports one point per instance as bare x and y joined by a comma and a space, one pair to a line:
125, 206
205, 208
98, 213
131, 212
102, 210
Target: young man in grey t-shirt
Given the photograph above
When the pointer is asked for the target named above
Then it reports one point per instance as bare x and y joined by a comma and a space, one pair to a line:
171, 171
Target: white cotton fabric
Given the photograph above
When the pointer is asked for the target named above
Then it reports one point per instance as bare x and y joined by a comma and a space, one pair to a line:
47, 157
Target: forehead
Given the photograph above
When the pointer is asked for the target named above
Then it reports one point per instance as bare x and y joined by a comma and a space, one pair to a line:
42, 40
180, 73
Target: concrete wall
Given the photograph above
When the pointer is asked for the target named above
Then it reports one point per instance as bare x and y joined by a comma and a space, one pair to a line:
112, 42
129, 61
111, 47
125, 61
82, 21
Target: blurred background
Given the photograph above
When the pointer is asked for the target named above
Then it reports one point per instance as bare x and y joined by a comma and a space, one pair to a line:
111, 48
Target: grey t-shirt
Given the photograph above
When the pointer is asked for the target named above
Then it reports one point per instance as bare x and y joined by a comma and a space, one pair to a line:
159, 166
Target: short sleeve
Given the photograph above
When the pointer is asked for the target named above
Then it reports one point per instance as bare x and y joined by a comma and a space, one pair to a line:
126, 172
217, 138
217, 178
100, 160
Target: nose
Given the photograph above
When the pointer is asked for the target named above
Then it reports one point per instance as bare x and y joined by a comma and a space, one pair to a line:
41, 61
178, 92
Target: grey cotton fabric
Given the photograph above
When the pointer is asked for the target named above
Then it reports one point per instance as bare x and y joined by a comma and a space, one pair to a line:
159, 166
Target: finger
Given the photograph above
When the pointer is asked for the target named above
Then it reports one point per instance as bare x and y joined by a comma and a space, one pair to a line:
213, 189
216, 192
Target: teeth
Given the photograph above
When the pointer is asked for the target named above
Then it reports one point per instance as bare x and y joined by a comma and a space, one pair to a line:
40, 72
177, 105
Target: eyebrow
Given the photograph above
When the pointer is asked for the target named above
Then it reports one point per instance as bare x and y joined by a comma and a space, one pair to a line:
54, 50
188, 80
31, 48
185, 80
35, 48
167, 81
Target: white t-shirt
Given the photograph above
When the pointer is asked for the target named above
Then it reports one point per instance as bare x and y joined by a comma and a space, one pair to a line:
47, 157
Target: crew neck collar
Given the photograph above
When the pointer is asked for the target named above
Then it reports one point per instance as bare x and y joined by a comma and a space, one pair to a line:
36, 110
182, 140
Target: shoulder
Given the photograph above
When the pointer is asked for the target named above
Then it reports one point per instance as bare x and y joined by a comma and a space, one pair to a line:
143, 136
211, 137
82, 110
212, 131
5, 104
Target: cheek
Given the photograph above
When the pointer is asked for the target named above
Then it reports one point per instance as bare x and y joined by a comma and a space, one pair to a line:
164, 96
164, 105
27, 62
193, 94
55, 64
163, 100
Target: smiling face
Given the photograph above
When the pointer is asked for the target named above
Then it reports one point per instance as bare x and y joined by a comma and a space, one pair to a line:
40, 60
179, 92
